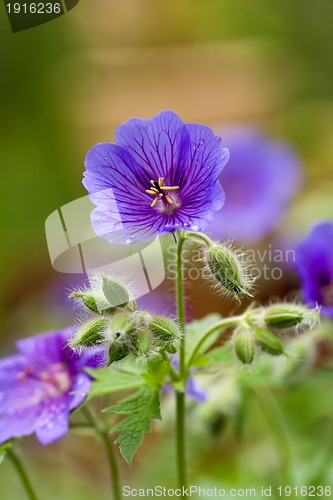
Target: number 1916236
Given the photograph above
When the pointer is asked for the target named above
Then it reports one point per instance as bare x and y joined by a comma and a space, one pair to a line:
33, 8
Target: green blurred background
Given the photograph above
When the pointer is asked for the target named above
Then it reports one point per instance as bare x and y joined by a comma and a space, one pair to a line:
65, 86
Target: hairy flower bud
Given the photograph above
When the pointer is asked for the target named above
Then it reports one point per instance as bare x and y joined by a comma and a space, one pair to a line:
122, 335
95, 302
114, 292
227, 271
144, 341
122, 324
117, 351
288, 315
164, 327
244, 347
269, 342
166, 333
91, 334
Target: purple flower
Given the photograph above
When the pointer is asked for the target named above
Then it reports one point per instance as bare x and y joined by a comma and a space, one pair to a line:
314, 263
41, 384
192, 389
259, 181
161, 174
195, 391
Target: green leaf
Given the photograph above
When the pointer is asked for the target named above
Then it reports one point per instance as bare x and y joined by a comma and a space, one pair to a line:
195, 331
141, 407
219, 355
157, 369
107, 381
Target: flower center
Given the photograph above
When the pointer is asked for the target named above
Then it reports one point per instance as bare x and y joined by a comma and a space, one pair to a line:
327, 294
56, 379
160, 191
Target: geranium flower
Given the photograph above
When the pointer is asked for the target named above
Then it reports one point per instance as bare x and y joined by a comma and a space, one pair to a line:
41, 384
261, 178
314, 263
161, 174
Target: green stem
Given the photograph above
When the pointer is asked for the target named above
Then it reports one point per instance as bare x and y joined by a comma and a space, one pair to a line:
16, 461
220, 324
180, 394
181, 447
109, 448
201, 236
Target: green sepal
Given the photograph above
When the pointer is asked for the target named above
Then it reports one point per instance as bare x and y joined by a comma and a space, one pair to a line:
117, 351
114, 292
227, 271
269, 342
244, 347
90, 334
95, 302
285, 315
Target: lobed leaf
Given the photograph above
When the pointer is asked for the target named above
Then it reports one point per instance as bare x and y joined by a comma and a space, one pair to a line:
140, 407
107, 381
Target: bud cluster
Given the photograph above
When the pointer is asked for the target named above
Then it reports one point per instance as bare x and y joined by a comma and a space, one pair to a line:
261, 328
119, 328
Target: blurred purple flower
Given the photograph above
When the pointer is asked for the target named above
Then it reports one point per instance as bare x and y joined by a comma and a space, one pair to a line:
161, 174
261, 177
41, 384
314, 263
192, 389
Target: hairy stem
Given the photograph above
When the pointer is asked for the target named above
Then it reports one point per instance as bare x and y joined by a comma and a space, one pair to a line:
200, 236
20, 469
103, 433
180, 394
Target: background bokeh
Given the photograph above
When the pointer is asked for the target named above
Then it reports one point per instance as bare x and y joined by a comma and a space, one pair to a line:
65, 86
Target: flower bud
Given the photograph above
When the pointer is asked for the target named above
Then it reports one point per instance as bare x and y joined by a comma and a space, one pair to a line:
166, 333
164, 328
288, 315
114, 292
117, 351
95, 302
269, 342
144, 341
121, 325
227, 271
122, 329
244, 347
91, 334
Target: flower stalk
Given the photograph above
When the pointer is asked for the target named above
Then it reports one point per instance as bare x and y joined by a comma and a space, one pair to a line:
22, 473
180, 394
103, 433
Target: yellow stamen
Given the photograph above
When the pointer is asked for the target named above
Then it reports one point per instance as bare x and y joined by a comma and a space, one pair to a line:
155, 201
168, 199
169, 188
158, 190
